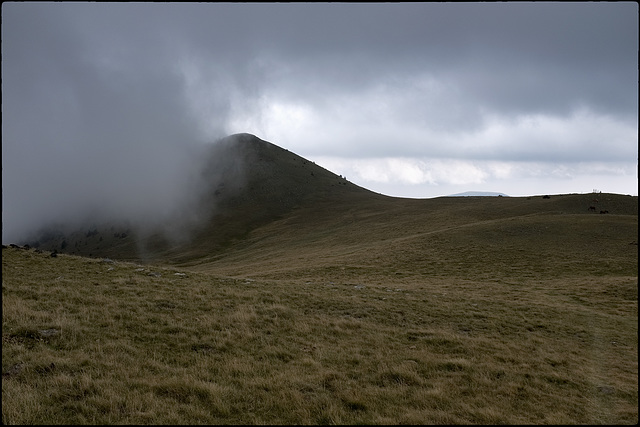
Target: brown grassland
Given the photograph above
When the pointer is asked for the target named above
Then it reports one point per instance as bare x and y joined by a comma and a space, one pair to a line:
441, 311
304, 299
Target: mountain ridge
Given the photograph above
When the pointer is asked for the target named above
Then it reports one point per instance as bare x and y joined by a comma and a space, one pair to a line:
263, 208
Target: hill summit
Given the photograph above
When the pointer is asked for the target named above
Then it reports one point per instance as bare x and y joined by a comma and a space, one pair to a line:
240, 182
267, 176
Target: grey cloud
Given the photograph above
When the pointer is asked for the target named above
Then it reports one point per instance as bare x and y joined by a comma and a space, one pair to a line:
508, 59
86, 129
103, 97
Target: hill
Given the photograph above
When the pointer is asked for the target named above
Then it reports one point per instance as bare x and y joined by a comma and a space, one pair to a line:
243, 182
263, 210
287, 295
443, 237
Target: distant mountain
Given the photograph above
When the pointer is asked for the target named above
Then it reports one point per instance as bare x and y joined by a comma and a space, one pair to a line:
478, 194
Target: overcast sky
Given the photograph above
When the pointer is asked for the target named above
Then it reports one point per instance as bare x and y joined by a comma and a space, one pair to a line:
102, 103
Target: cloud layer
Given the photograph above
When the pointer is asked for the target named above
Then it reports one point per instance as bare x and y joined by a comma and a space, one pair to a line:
104, 104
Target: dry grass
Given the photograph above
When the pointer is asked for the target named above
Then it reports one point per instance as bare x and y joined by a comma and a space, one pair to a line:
320, 342
304, 299
339, 307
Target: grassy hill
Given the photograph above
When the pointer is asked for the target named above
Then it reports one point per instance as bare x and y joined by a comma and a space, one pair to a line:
444, 237
244, 182
255, 196
301, 298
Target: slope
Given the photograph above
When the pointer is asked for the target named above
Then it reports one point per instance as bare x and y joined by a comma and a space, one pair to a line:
304, 299
473, 237
242, 183
264, 211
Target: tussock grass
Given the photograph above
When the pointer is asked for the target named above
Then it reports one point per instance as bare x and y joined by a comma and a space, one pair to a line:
94, 342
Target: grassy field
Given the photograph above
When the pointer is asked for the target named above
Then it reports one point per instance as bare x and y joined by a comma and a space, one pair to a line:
442, 311
287, 295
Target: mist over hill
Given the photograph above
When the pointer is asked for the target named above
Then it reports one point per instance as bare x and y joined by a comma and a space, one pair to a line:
253, 205
232, 186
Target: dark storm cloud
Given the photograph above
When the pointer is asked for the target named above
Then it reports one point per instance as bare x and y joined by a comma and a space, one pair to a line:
513, 56
103, 103
446, 66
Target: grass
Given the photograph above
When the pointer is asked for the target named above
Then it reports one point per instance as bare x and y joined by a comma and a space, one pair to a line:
92, 342
304, 299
